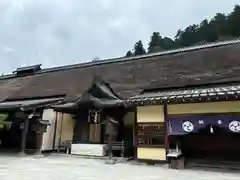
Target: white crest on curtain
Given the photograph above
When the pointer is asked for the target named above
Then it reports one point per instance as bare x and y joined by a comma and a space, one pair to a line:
188, 126
234, 126
219, 121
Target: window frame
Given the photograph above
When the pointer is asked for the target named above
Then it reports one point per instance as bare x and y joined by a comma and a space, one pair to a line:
154, 130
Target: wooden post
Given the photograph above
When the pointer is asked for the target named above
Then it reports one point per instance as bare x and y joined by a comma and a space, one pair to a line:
24, 136
166, 140
135, 137
110, 137
39, 139
111, 126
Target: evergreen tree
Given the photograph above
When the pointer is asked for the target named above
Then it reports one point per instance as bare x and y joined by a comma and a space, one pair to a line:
205, 32
129, 54
220, 27
138, 48
167, 43
155, 43
234, 21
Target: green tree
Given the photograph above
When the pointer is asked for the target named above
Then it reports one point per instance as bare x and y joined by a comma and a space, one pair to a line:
220, 27
206, 32
189, 36
129, 54
167, 43
138, 48
3, 121
155, 43
234, 21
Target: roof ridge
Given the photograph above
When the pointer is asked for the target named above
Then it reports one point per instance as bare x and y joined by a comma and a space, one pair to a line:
162, 53
123, 59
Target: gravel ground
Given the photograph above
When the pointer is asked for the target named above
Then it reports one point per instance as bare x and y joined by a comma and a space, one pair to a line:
75, 168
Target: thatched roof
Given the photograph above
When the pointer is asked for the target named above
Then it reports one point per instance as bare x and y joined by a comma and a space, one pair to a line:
129, 76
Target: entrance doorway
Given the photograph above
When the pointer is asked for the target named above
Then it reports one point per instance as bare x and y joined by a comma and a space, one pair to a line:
10, 139
213, 144
206, 137
205, 149
10, 134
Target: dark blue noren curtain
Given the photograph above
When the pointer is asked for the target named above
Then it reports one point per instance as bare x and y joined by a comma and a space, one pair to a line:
184, 124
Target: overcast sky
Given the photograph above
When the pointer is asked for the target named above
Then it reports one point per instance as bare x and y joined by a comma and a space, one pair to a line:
61, 32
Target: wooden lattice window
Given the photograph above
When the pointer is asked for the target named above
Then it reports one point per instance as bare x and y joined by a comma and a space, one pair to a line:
150, 134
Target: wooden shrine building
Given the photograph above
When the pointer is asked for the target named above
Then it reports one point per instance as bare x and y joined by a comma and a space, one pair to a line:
165, 102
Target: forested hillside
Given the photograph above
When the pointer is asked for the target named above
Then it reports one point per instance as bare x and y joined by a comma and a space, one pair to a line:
220, 27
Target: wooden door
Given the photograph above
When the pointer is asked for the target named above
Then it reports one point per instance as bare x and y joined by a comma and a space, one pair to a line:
95, 133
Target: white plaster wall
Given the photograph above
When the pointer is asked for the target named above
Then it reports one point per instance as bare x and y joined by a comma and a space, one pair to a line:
48, 136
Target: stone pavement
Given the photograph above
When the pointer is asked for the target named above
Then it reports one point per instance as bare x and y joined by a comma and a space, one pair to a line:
75, 168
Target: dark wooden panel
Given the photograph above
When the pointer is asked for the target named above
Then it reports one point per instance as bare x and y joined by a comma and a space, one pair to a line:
81, 128
150, 129
150, 134
151, 140
95, 133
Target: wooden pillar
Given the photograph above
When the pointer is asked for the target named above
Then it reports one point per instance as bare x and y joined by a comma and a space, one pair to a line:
166, 140
24, 136
39, 140
111, 132
110, 137
135, 140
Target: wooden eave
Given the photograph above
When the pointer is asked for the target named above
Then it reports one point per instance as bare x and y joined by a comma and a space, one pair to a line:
219, 93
